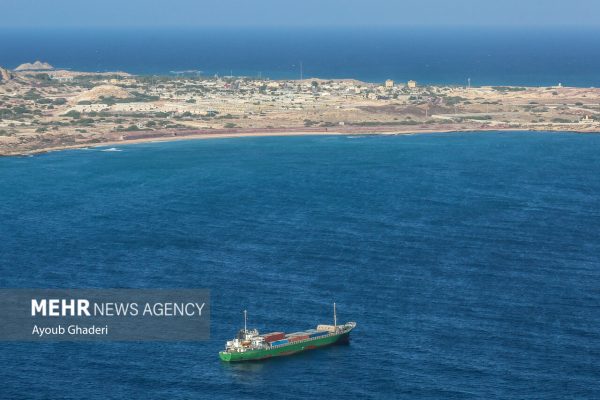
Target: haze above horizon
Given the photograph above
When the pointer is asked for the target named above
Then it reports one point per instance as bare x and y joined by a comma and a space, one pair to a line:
308, 13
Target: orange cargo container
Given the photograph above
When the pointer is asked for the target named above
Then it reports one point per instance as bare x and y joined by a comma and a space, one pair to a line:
272, 337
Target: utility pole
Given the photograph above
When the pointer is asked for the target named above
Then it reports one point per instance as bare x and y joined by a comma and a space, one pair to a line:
468, 83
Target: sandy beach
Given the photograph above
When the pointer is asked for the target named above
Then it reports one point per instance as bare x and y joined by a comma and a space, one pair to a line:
229, 135
57, 109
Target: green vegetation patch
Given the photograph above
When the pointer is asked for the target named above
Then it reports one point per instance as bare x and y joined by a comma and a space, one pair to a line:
509, 88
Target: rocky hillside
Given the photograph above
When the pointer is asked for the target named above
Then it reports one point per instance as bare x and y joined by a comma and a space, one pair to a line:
102, 91
36, 66
5, 75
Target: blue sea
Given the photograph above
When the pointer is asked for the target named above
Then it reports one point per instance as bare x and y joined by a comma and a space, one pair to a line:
470, 261
489, 56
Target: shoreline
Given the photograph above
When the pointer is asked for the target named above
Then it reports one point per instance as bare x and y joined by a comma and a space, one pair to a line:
275, 133
61, 110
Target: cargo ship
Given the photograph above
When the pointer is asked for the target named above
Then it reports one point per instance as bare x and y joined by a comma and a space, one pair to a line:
250, 345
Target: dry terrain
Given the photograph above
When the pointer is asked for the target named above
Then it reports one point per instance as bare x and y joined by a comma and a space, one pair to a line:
55, 109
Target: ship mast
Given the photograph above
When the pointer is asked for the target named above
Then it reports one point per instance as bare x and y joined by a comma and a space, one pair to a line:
334, 317
245, 321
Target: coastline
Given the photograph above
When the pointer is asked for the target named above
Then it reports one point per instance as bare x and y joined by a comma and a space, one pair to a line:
59, 110
275, 133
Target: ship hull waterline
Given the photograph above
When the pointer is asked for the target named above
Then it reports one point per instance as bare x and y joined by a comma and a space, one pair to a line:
285, 350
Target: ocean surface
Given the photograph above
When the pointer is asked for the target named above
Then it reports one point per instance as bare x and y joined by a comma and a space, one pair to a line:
492, 56
470, 261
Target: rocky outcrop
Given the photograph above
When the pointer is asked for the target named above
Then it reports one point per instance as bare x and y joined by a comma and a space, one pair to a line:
36, 66
5, 75
102, 91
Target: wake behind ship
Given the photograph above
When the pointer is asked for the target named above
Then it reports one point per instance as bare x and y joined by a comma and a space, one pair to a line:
250, 345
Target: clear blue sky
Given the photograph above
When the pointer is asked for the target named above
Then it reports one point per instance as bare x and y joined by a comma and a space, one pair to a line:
267, 13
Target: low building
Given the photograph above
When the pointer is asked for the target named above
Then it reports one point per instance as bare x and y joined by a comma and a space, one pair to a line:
411, 84
389, 84
63, 78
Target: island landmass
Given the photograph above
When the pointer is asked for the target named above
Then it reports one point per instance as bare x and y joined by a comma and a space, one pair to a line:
44, 109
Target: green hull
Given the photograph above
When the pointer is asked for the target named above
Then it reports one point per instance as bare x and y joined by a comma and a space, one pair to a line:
286, 349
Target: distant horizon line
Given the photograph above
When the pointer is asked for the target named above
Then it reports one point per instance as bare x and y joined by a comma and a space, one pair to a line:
577, 27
